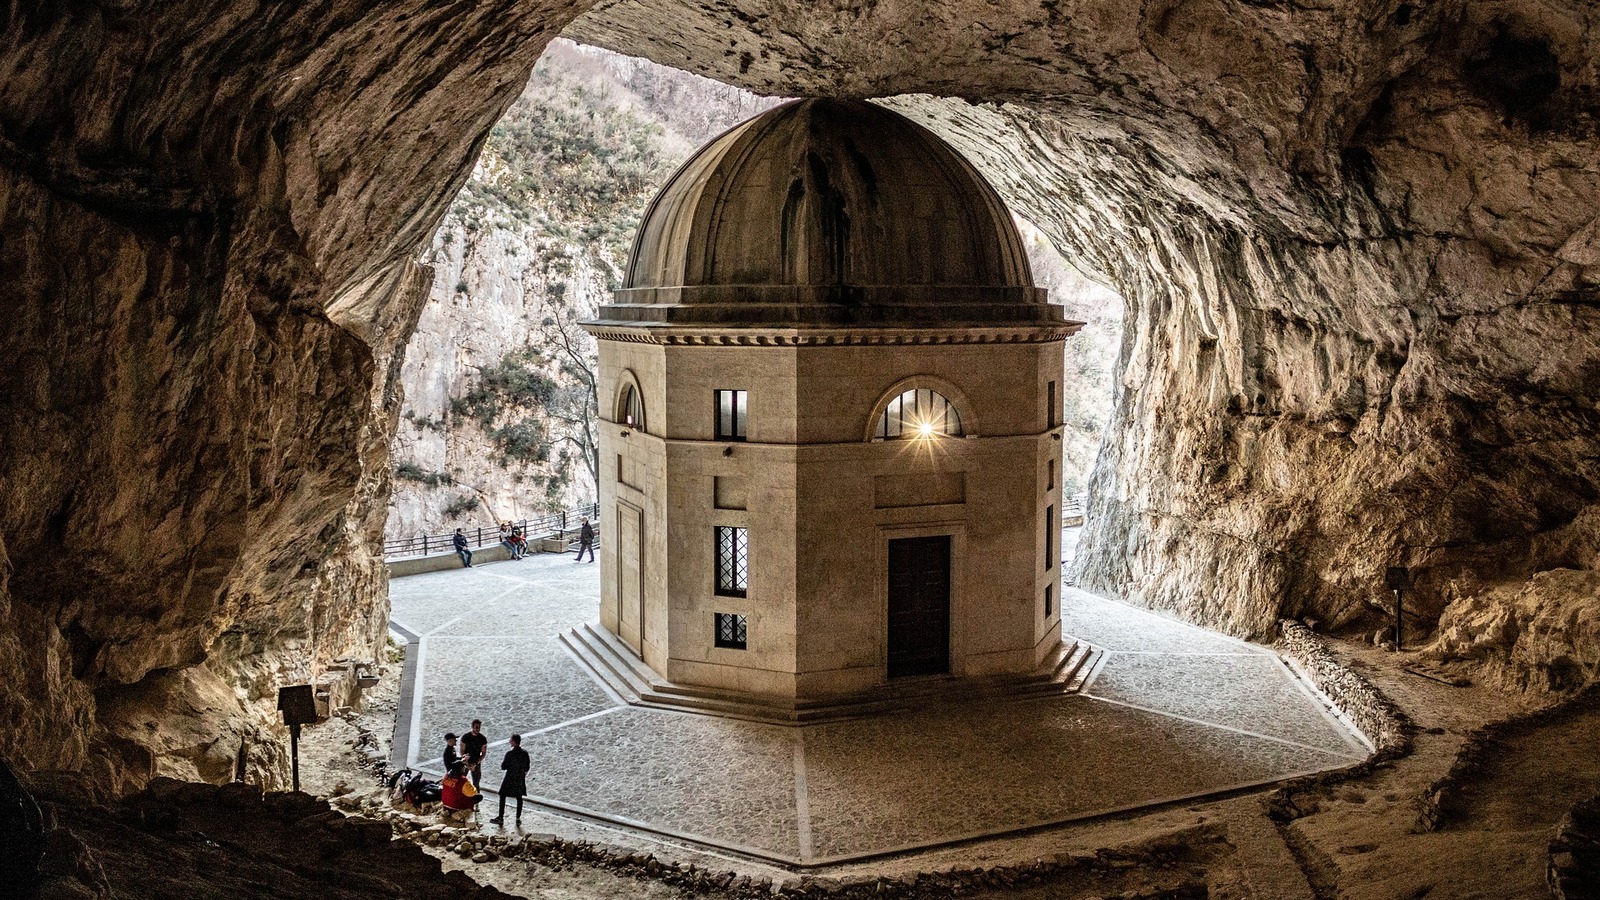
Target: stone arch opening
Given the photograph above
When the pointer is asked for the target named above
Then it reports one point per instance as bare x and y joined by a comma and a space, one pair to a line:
629, 409
922, 406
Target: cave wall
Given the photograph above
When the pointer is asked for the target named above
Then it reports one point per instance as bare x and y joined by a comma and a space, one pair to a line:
209, 214
1357, 240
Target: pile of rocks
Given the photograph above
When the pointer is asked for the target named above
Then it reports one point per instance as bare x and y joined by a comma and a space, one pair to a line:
1376, 716
1574, 872
549, 850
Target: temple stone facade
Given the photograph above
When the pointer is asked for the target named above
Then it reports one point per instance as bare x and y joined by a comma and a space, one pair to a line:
831, 392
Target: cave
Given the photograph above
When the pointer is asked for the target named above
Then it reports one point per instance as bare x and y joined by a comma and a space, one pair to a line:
1357, 243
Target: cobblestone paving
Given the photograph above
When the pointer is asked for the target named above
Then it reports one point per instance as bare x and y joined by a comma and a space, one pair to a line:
940, 776
1173, 712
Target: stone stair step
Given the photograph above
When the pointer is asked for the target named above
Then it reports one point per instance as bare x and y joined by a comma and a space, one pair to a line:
615, 664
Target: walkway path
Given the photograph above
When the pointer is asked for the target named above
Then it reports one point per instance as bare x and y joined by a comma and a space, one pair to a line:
1173, 712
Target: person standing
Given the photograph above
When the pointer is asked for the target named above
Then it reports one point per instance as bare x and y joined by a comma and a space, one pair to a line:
460, 540
585, 540
474, 747
515, 784
451, 757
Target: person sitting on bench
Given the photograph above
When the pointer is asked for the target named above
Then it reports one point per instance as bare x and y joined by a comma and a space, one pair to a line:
458, 795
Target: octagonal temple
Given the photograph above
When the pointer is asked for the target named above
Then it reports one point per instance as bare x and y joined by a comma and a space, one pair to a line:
831, 441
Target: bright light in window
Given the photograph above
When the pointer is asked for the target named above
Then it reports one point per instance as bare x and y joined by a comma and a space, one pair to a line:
925, 429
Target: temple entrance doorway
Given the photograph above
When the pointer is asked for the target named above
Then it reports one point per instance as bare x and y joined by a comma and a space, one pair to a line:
919, 606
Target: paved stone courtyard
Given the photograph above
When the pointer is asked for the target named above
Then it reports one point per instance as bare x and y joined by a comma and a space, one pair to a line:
1172, 712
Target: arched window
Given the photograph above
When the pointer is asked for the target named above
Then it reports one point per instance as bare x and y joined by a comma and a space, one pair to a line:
630, 408
919, 413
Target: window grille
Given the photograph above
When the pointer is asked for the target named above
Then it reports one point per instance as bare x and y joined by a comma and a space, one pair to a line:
732, 407
919, 413
733, 561
630, 408
730, 630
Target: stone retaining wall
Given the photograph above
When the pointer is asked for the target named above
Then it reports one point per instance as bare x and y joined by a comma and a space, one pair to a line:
1385, 726
438, 562
1382, 722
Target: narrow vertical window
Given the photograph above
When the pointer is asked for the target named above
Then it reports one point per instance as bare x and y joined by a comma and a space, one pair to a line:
1052, 408
1049, 600
630, 408
731, 415
1049, 538
1050, 476
733, 562
730, 630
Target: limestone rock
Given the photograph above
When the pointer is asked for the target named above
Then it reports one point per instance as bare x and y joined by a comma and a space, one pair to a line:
1540, 635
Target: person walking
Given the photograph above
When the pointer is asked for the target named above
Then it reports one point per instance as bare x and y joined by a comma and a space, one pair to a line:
474, 747
460, 540
585, 540
515, 784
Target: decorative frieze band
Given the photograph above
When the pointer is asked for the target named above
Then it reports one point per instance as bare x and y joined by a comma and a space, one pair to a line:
758, 337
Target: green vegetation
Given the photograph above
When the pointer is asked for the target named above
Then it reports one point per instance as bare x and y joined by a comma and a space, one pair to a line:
575, 160
410, 471
1089, 357
461, 505
426, 423
536, 401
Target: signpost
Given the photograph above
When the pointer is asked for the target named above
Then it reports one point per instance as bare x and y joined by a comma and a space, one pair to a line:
1398, 579
299, 706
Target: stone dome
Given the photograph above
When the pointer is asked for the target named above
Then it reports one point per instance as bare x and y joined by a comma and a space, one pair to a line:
826, 213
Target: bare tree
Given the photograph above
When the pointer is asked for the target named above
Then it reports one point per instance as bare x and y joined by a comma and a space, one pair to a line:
576, 403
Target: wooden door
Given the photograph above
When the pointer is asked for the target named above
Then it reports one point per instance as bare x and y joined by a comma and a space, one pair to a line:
630, 576
919, 606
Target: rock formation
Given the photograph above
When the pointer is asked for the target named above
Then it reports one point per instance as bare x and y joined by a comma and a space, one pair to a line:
211, 216
1357, 239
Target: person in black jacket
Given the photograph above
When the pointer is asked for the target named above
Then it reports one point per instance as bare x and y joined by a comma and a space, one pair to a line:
460, 540
451, 757
515, 784
585, 540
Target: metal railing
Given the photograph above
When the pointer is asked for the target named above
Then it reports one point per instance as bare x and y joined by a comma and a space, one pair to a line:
533, 529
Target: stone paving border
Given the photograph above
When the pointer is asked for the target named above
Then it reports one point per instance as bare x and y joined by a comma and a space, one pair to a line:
1574, 868
1437, 805
404, 713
